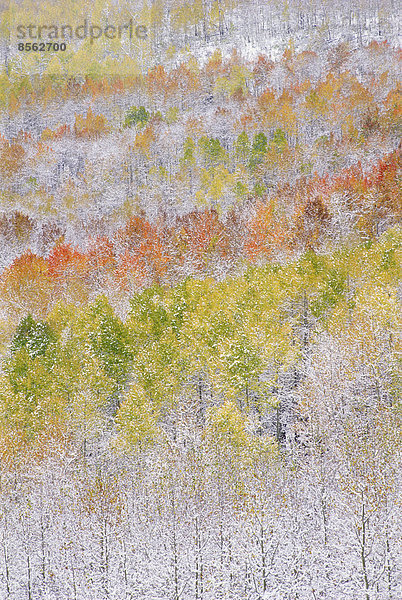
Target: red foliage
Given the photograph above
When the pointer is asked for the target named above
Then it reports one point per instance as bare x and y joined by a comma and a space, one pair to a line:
147, 247
131, 273
261, 71
142, 253
201, 235
134, 233
102, 254
64, 259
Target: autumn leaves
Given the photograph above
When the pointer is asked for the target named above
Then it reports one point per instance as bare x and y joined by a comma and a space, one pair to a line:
218, 352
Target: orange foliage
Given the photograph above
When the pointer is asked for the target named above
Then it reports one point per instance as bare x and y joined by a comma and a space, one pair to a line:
145, 138
11, 158
102, 254
142, 253
184, 80
393, 107
194, 127
158, 82
148, 249
27, 266
58, 134
131, 273
64, 260
214, 67
134, 233
261, 70
265, 233
381, 182
26, 287
90, 126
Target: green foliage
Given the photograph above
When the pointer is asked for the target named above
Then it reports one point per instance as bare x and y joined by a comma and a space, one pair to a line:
228, 435
388, 260
258, 149
110, 341
29, 376
148, 317
172, 115
259, 189
232, 337
33, 335
212, 150
135, 116
240, 190
235, 84
279, 142
333, 291
189, 152
242, 148
137, 420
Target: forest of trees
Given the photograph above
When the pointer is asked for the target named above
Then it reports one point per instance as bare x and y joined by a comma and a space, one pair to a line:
200, 304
